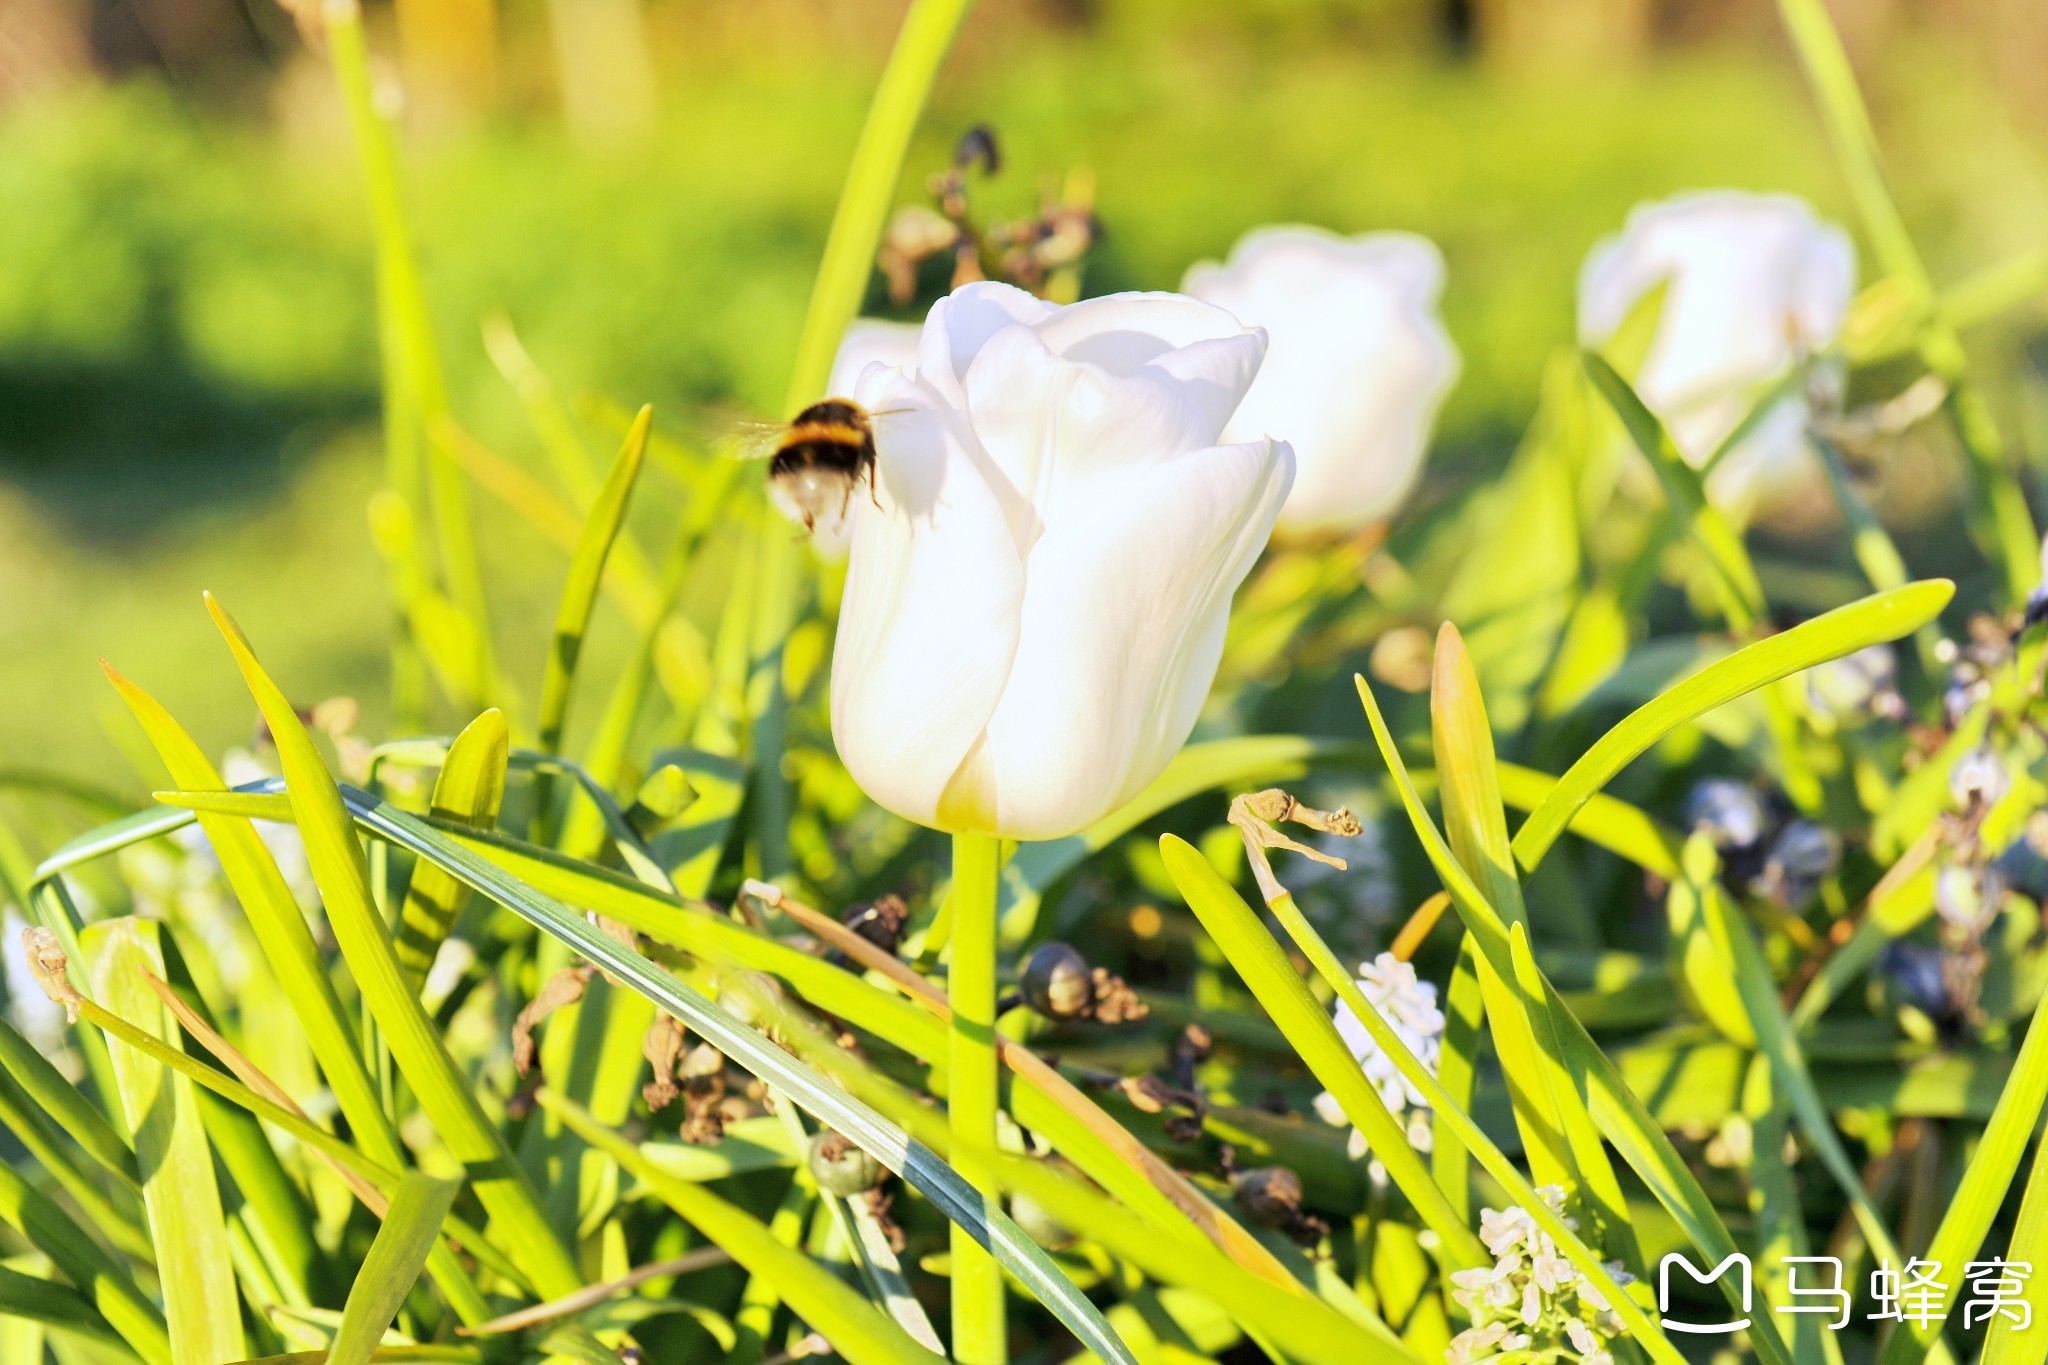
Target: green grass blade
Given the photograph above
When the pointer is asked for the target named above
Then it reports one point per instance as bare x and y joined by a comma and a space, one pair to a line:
1196, 879
287, 945
468, 790
50, 1230
1278, 987
61, 1102
2000, 521
586, 574
444, 1093
30, 1298
856, 1329
1477, 826
415, 392
885, 1141
201, 1306
1986, 1181
1872, 620
116, 1212
1742, 595
1615, 1108
392, 1266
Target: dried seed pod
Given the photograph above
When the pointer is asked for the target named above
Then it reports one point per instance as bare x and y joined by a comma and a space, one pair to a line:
880, 921
1115, 1001
1270, 1196
663, 1047
978, 144
840, 1167
1058, 983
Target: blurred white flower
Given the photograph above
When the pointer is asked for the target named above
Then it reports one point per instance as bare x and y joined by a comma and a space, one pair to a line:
1358, 367
1755, 282
1408, 1004
871, 341
1035, 603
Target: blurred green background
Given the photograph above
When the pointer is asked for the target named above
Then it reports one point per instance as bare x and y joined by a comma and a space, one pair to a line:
187, 352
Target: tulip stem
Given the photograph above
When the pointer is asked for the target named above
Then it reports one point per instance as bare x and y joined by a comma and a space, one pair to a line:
979, 1334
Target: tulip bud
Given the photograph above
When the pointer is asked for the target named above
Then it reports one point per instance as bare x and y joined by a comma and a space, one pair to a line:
1036, 593
1752, 284
1359, 362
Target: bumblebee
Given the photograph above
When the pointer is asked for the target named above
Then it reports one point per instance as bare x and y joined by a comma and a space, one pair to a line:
821, 459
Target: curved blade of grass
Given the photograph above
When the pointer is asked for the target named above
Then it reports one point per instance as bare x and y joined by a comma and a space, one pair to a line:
1222, 909
586, 573
118, 1213
885, 1141
33, 1299
854, 1326
1742, 596
1873, 620
340, 870
1047, 1103
201, 1306
392, 1266
1181, 1202
292, 1121
1614, 1106
1306, 1329
1986, 1181
286, 942
1278, 987
1605, 821
2000, 521
468, 790
1789, 1073
415, 393
50, 1230
63, 1103
1469, 788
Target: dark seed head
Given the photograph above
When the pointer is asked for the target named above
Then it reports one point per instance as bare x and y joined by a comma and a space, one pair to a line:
1269, 1195
1058, 983
841, 1168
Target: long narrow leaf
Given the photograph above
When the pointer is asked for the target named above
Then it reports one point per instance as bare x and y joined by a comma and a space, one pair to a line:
1873, 620
178, 1187
392, 1266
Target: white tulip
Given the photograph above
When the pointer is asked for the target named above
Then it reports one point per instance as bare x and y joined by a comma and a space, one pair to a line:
1755, 282
1036, 598
1359, 364
871, 341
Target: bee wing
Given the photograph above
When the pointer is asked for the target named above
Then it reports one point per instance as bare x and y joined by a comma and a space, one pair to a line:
756, 440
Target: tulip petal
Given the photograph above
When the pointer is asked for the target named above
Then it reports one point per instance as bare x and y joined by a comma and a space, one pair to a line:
960, 324
1054, 426
928, 624
1121, 631
1123, 332
1358, 366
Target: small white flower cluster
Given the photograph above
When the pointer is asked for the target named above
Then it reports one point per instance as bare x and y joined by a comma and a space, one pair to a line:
1408, 1004
1534, 1304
